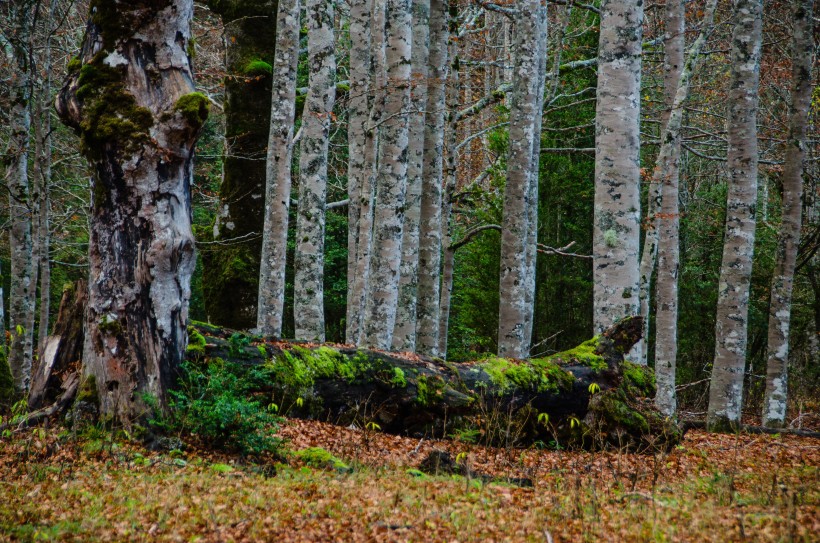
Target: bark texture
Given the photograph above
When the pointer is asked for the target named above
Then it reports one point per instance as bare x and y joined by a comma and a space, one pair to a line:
427, 303
726, 389
666, 175
23, 282
525, 119
404, 332
231, 268
777, 375
308, 300
133, 105
359, 168
617, 168
391, 181
270, 308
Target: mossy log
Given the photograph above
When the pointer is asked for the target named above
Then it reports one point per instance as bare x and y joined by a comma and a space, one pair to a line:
588, 396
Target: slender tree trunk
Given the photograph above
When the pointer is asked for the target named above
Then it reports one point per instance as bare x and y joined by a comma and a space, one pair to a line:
23, 284
231, 269
404, 332
382, 297
280, 154
616, 230
308, 302
666, 175
777, 376
427, 305
726, 390
358, 167
138, 131
514, 312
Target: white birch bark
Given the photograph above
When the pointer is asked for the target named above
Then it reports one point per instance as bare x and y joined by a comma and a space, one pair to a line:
777, 375
23, 285
308, 301
391, 181
514, 311
280, 154
428, 294
404, 332
358, 167
141, 247
616, 230
726, 390
666, 175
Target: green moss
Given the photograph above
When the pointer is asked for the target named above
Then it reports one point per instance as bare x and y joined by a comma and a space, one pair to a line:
585, 354
540, 375
416, 473
111, 327
398, 380
194, 108
7, 391
256, 68
318, 457
196, 343
88, 391
74, 65
190, 49
429, 390
616, 410
639, 381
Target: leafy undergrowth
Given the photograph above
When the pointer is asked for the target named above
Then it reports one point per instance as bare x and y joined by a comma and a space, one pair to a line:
711, 488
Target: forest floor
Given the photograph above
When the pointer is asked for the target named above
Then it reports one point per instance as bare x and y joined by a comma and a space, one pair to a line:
710, 488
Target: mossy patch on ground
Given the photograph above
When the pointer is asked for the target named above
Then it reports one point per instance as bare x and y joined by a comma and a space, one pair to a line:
317, 457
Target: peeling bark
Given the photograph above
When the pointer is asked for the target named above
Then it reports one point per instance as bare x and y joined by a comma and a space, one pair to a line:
271, 303
616, 229
726, 390
308, 301
777, 374
133, 105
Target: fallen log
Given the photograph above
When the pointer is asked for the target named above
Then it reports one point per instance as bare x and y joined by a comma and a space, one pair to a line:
587, 396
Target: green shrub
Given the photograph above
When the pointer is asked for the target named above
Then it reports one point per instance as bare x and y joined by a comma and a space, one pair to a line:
216, 402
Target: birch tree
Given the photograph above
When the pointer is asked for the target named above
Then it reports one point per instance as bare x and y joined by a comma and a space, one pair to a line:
280, 153
359, 168
404, 332
138, 132
308, 302
616, 227
23, 283
427, 303
525, 108
666, 175
777, 375
726, 390
391, 181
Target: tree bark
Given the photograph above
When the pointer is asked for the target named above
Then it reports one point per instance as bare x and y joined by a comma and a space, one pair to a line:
514, 311
23, 283
616, 228
777, 375
271, 303
404, 332
231, 269
726, 390
133, 105
308, 300
427, 304
359, 168
382, 296
666, 175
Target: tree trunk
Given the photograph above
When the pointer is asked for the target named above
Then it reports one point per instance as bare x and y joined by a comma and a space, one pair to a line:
271, 302
308, 306
404, 332
23, 284
616, 229
385, 258
777, 376
133, 105
231, 269
427, 305
503, 401
514, 312
359, 168
726, 390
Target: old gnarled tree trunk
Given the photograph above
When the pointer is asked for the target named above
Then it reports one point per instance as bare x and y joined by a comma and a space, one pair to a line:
132, 102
